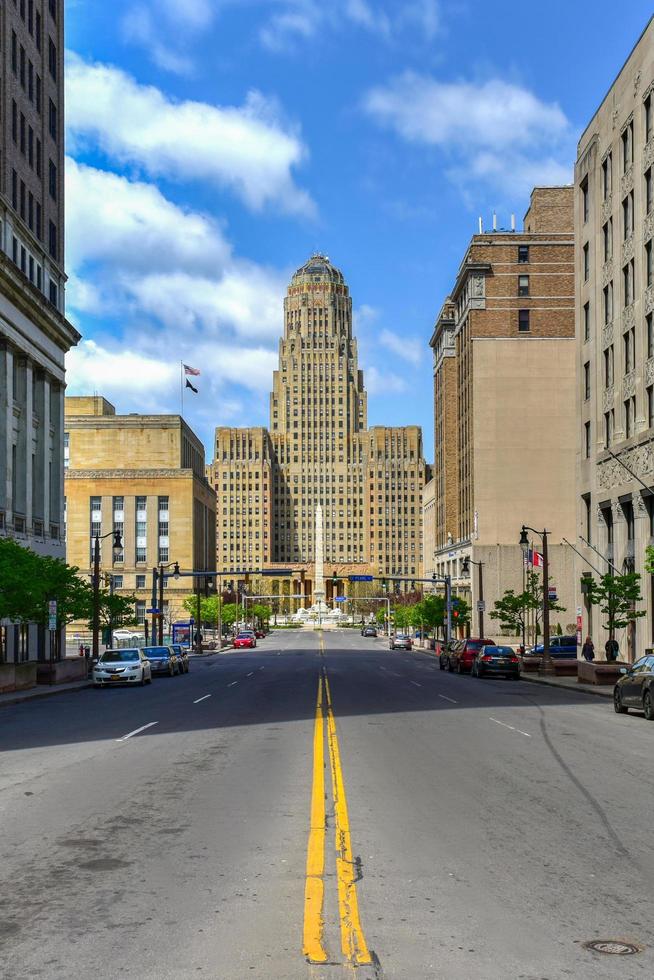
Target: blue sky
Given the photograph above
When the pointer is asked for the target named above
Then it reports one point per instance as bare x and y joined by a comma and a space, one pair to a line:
214, 144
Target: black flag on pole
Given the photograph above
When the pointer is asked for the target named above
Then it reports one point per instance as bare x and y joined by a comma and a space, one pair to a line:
189, 385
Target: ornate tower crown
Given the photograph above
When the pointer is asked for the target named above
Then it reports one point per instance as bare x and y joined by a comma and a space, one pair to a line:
317, 269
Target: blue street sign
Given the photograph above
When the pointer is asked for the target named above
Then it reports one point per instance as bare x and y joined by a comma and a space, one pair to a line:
340, 598
152, 612
361, 578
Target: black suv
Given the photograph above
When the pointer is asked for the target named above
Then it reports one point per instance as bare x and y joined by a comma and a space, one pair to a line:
635, 689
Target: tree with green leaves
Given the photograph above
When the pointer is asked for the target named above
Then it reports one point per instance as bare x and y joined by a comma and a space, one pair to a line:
617, 597
403, 617
514, 610
649, 560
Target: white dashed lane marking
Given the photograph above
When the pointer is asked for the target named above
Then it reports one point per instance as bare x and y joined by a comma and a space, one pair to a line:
445, 698
137, 731
510, 727
203, 698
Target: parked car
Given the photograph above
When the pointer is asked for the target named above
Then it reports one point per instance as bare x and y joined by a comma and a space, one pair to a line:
129, 666
560, 646
182, 656
462, 654
163, 660
444, 654
245, 639
493, 659
635, 689
400, 642
369, 631
259, 634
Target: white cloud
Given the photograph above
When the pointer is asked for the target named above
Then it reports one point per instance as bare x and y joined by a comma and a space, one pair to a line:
166, 27
384, 382
132, 251
248, 149
137, 379
296, 20
496, 131
407, 348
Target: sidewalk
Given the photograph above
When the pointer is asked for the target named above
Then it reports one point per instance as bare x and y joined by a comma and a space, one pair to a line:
42, 691
569, 683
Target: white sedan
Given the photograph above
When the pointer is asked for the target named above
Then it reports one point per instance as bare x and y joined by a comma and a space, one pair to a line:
129, 666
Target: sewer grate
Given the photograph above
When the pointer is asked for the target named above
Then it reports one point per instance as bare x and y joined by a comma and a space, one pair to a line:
613, 947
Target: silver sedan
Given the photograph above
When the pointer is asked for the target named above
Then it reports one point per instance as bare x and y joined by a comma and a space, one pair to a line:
129, 666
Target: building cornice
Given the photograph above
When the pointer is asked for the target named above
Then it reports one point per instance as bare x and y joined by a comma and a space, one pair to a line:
35, 307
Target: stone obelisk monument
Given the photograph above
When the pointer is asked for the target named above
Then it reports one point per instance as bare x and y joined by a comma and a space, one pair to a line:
319, 587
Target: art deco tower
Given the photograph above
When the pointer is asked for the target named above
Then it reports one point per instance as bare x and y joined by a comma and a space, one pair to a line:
319, 451
317, 412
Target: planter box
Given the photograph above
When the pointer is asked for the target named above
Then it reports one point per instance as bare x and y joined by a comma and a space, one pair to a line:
563, 666
599, 672
61, 671
17, 677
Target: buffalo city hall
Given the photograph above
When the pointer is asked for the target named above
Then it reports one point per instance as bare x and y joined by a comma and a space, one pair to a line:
319, 450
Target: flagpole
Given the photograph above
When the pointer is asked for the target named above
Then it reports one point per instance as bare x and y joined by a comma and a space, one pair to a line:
181, 388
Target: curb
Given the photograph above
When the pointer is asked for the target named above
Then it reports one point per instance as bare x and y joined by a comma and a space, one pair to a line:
599, 693
50, 692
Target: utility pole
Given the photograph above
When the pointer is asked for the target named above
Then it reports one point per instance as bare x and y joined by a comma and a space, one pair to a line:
155, 576
161, 604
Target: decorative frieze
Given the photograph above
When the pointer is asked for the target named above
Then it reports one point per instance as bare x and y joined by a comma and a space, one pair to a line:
607, 208
628, 317
617, 512
648, 153
628, 249
648, 227
649, 371
640, 510
607, 334
629, 385
649, 299
627, 181
608, 398
639, 459
607, 272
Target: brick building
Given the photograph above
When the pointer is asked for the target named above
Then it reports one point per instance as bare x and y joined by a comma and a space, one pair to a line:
504, 392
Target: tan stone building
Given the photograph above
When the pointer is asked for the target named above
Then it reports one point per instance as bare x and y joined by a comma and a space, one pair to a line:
614, 228
318, 450
429, 528
143, 475
504, 396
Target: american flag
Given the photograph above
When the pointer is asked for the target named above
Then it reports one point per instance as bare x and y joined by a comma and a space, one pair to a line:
191, 370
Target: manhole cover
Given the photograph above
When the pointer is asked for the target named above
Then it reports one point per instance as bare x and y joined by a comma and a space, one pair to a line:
613, 947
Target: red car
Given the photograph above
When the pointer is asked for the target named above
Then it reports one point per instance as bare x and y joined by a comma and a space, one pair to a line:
259, 634
244, 640
463, 652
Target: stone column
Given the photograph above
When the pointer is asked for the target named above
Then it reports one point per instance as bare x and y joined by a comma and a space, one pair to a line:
6, 421
47, 449
644, 626
28, 435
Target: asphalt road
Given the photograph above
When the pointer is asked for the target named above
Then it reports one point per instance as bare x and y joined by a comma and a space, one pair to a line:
326, 799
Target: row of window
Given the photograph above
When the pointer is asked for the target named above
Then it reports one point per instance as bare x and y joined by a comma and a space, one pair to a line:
629, 407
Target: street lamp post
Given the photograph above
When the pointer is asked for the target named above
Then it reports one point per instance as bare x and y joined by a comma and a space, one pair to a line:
547, 666
465, 569
117, 546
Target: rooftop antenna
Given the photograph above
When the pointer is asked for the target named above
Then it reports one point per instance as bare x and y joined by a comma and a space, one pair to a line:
494, 221
512, 222
481, 226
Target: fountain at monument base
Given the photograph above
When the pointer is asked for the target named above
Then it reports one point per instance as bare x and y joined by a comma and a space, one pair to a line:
319, 614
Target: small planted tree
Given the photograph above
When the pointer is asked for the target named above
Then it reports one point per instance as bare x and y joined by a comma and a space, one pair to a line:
617, 597
514, 610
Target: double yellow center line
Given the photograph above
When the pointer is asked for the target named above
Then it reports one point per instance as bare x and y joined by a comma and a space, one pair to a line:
353, 943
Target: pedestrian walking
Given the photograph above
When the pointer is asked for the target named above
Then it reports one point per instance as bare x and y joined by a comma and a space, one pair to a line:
612, 649
588, 649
